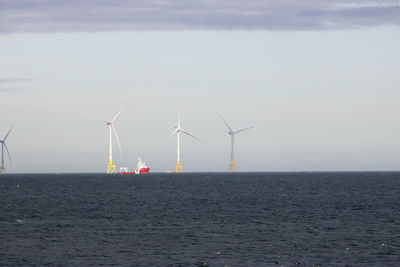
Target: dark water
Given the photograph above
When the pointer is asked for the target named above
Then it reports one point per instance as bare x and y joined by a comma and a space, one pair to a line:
214, 219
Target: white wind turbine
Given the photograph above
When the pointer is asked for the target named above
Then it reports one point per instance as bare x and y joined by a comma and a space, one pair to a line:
3, 145
177, 131
111, 127
232, 133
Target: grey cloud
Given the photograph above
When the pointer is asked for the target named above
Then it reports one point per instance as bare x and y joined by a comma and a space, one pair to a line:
11, 90
7, 80
103, 15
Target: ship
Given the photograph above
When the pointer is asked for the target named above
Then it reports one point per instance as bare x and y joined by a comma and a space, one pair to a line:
142, 168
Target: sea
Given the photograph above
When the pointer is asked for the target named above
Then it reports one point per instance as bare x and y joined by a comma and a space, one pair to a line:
201, 219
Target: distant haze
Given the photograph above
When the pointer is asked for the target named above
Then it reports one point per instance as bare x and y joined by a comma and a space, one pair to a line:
318, 80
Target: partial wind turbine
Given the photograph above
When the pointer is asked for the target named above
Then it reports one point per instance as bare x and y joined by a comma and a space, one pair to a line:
110, 123
232, 133
3, 145
178, 130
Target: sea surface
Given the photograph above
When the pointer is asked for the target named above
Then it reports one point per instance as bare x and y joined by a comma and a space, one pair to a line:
200, 219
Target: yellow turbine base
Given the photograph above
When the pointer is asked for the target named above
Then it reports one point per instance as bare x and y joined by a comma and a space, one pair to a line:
111, 168
232, 167
179, 167
2, 170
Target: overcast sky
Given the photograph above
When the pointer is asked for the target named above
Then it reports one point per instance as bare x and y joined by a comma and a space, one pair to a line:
319, 80
104, 15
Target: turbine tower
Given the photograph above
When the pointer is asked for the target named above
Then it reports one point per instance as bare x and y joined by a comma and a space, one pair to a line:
232, 133
110, 123
3, 145
177, 131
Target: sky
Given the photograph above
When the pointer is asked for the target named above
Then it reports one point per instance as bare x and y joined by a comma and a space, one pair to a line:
318, 80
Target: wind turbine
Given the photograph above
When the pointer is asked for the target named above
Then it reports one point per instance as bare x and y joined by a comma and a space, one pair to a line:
110, 123
3, 145
232, 133
177, 131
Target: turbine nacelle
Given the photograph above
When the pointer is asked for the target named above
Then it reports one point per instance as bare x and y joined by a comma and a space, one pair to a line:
178, 130
231, 132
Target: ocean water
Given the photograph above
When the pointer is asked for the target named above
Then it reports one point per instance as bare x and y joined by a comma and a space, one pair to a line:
200, 219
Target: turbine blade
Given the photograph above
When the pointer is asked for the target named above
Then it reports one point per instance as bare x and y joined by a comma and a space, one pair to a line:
174, 132
241, 130
229, 128
95, 117
183, 131
116, 116
8, 133
117, 138
179, 117
8, 153
119, 112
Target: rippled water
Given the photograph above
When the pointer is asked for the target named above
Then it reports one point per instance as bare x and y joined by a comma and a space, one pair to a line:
214, 219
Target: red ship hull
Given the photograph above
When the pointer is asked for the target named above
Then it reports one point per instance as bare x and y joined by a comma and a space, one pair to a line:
142, 171
137, 171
